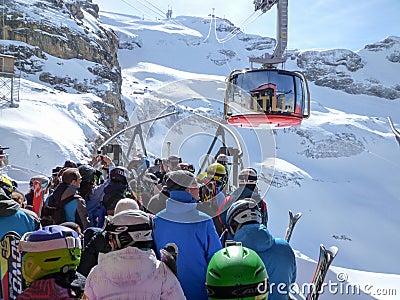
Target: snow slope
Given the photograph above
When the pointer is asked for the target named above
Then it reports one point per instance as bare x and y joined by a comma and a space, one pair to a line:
340, 168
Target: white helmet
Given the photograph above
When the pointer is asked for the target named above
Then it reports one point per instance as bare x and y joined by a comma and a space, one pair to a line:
243, 211
125, 204
131, 227
248, 176
222, 159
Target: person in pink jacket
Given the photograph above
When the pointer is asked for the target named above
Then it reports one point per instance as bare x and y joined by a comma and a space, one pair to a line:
131, 270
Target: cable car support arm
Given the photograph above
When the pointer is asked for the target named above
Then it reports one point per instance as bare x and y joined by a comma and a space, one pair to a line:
114, 136
278, 56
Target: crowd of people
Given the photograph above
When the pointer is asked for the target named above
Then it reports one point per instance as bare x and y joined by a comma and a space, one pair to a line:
101, 231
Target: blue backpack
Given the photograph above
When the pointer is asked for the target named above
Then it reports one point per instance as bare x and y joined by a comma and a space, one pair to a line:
95, 208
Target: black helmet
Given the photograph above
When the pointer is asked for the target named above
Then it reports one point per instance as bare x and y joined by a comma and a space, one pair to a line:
70, 164
241, 212
119, 174
187, 167
87, 173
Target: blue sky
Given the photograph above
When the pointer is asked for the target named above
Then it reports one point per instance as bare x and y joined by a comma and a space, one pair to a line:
348, 24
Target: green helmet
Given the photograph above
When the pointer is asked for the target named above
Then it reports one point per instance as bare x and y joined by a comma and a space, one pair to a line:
52, 249
237, 272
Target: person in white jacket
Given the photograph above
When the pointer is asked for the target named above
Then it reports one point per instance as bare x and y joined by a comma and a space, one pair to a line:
131, 270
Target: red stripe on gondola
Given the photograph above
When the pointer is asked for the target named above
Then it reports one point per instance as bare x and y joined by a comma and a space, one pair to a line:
255, 120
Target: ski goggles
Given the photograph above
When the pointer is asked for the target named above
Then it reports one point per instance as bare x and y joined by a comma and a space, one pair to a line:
68, 242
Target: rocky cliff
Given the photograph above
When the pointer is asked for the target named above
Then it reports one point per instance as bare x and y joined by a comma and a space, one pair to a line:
68, 33
342, 69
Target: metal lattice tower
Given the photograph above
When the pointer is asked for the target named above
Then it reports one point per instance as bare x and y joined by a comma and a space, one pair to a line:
9, 81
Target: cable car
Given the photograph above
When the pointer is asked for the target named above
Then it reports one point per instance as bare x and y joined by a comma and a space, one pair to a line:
271, 96
268, 95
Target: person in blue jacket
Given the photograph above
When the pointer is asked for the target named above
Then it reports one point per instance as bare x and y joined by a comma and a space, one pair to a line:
12, 216
244, 220
191, 230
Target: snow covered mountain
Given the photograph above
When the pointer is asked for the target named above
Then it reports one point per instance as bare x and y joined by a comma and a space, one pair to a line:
340, 167
50, 38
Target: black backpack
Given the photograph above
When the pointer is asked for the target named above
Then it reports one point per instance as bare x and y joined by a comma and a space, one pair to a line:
53, 212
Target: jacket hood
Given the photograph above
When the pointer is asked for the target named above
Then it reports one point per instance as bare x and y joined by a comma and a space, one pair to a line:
181, 196
182, 212
59, 191
142, 265
8, 207
177, 207
255, 236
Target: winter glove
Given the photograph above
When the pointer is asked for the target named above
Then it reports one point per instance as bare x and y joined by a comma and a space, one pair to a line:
169, 255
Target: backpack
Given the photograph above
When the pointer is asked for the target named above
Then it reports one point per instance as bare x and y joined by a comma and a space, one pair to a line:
208, 190
53, 211
96, 212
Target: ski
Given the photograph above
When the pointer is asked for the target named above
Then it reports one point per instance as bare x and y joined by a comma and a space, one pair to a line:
12, 281
394, 130
224, 236
292, 222
38, 197
326, 256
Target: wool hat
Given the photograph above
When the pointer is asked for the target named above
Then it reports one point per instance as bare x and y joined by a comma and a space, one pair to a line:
179, 180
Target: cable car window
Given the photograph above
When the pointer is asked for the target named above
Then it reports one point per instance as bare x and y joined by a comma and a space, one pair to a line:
300, 97
267, 91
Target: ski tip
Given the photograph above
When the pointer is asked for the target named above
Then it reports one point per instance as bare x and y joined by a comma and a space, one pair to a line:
296, 216
333, 250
